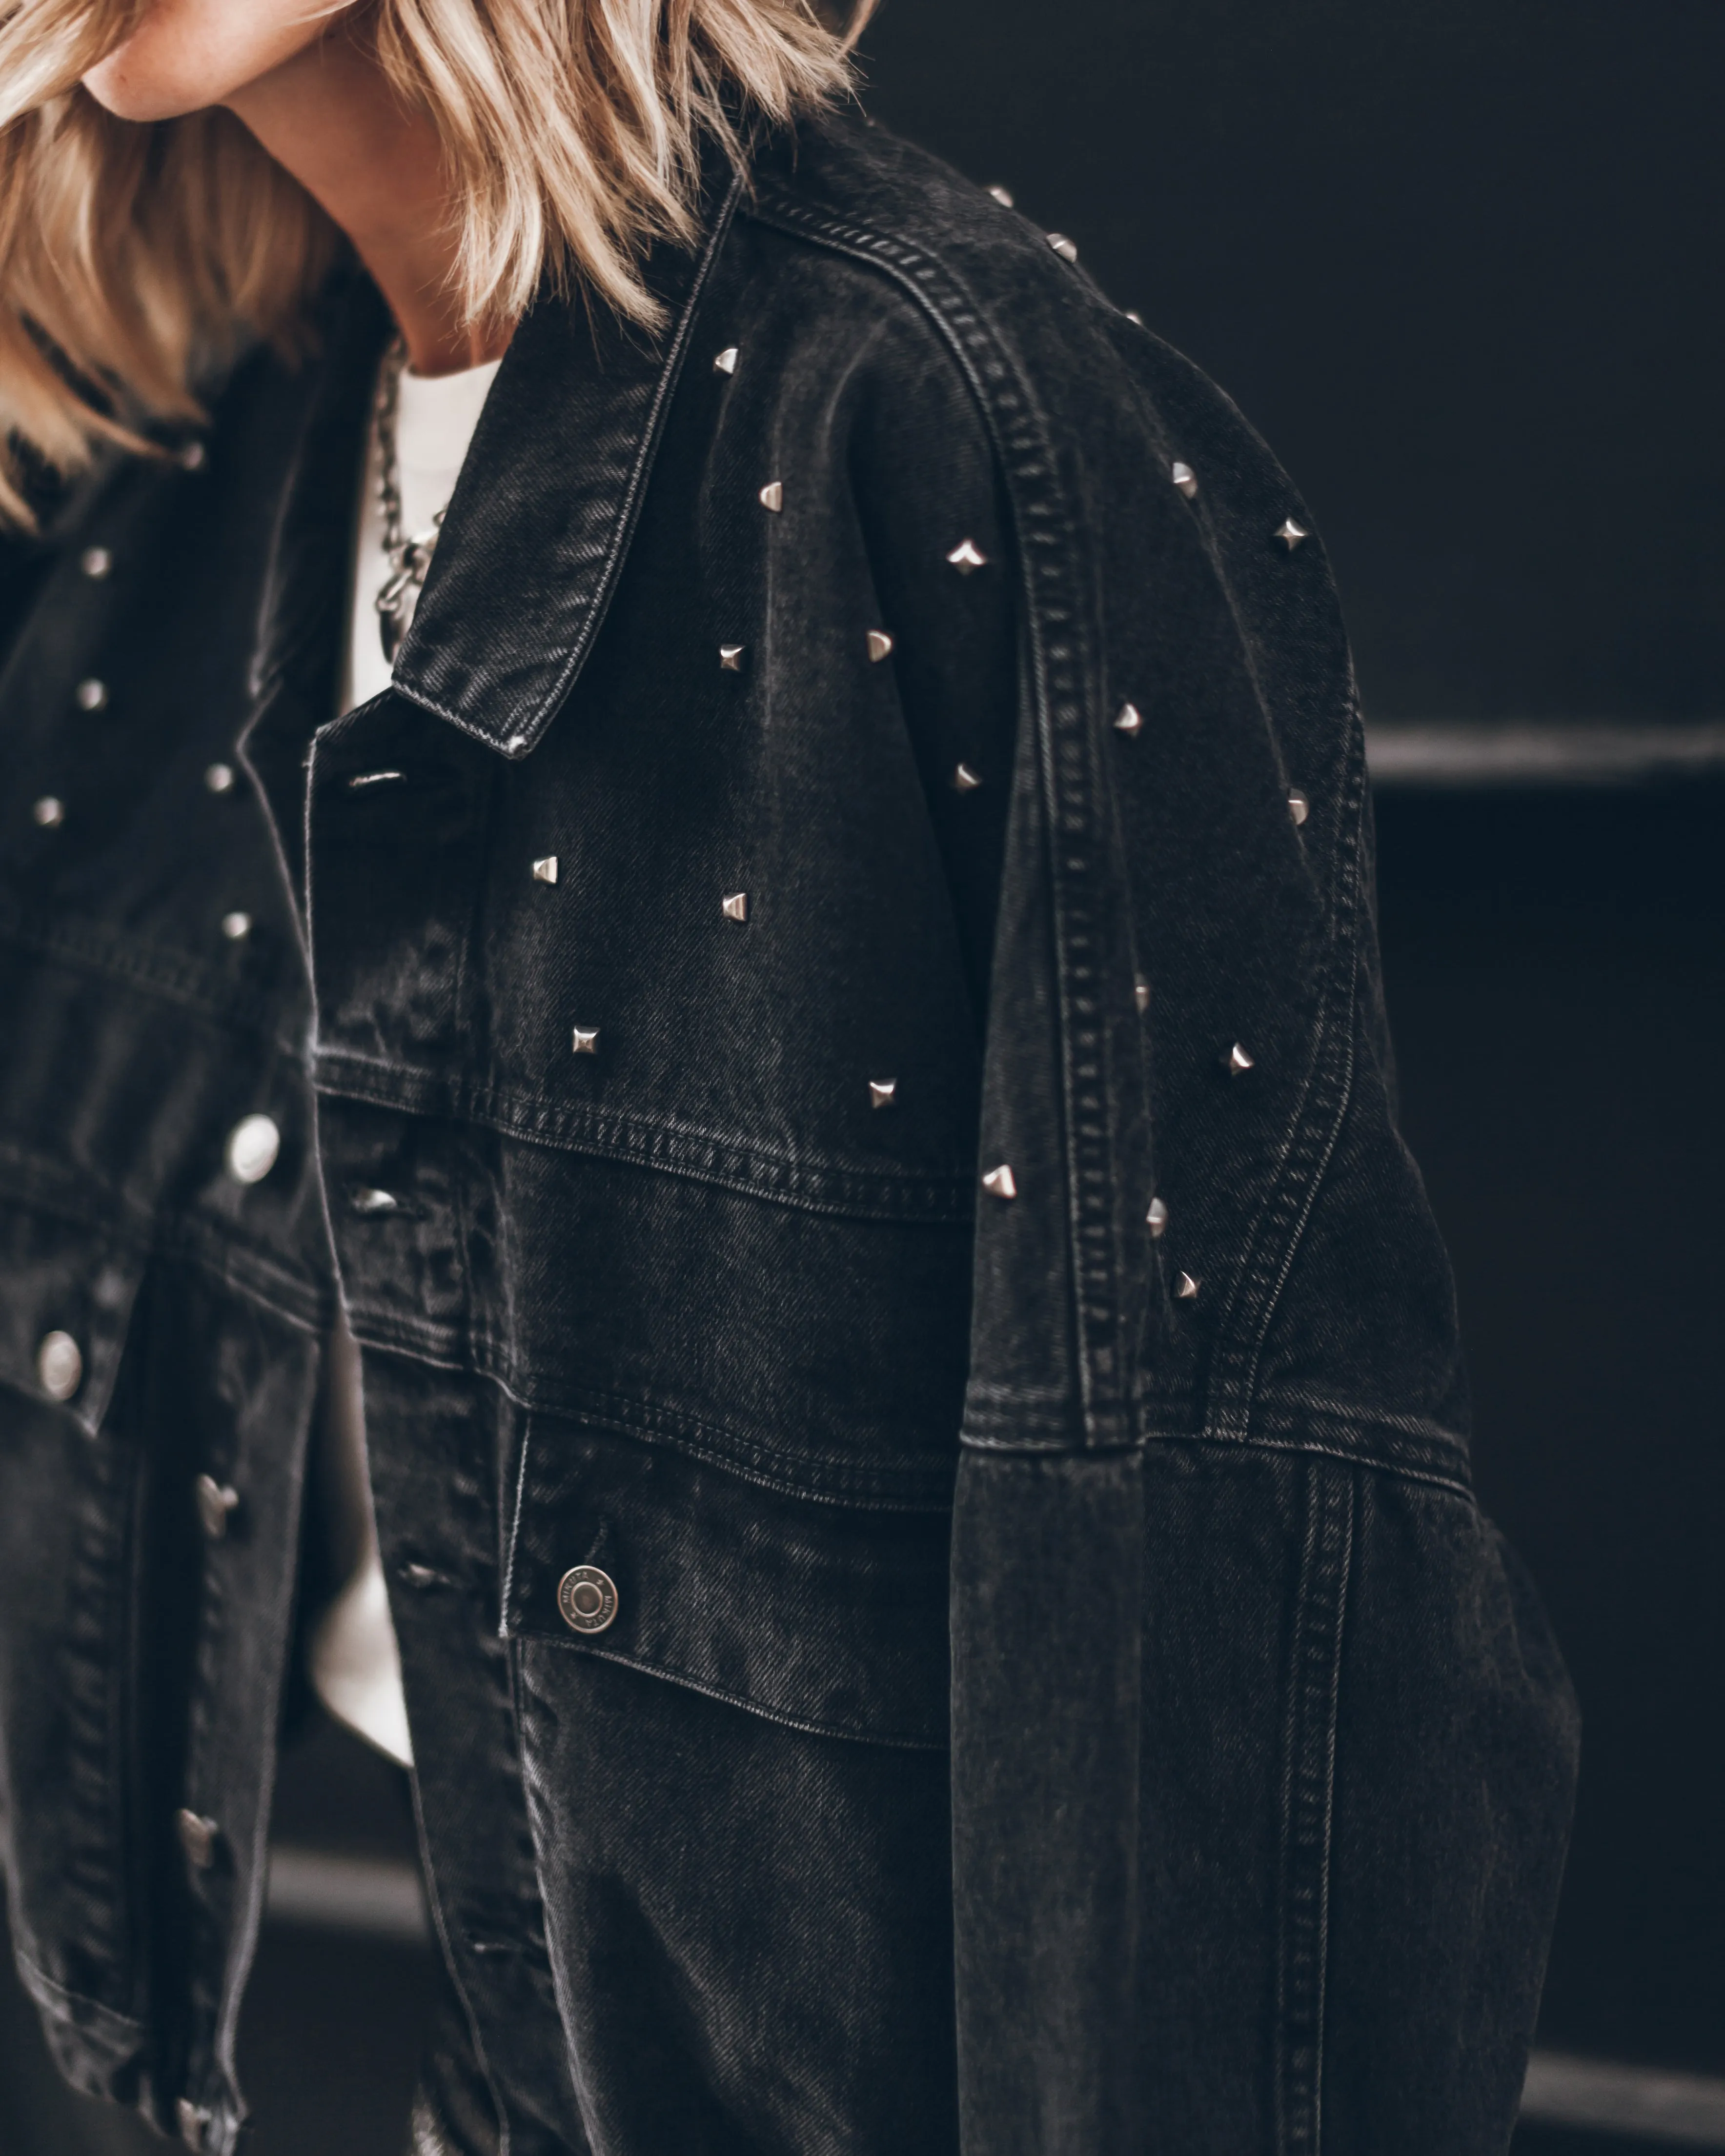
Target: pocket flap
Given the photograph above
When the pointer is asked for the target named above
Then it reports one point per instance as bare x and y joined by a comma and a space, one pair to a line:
66, 1295
830, 1618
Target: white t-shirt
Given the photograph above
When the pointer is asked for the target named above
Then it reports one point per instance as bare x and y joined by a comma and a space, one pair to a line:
356, 1666
434, 419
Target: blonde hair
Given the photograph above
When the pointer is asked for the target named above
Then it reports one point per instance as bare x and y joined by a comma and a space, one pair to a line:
136, 258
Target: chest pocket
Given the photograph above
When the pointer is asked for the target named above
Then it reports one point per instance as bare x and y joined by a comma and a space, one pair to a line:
827, 1618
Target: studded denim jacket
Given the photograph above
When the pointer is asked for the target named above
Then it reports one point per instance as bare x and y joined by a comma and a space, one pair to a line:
826, 1034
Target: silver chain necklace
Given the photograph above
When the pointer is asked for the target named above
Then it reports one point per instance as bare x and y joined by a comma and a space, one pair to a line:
409, 558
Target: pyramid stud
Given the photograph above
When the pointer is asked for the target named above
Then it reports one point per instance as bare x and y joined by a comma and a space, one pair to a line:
967, 556
236, 926
998, 1182
725, 363
731, 657
879, 645
737, 906
1134, 317
1184, 478
545, 869
1002, 195
95, 562
1299, 807
49, 813
1141, 993
772, 496
964, 780
1067, 249
1157, 1220
1239, 1061
584, 1043
1185, 1288
883, 1092
1291, 534
219, 779
91, 695
1131, 720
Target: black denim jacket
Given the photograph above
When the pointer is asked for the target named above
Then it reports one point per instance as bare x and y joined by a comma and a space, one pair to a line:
830, 1019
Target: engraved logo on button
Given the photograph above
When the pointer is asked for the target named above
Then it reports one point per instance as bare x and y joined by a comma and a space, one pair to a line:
586, 1599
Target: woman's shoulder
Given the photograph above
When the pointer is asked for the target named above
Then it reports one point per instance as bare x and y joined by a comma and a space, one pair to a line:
922, 262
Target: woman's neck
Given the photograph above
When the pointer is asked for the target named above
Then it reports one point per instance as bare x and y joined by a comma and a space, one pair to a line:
330, 117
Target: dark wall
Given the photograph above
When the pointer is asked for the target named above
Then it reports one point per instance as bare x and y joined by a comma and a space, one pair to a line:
1458, 260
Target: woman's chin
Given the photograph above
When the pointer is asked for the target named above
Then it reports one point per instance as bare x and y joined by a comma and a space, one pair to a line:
131, 92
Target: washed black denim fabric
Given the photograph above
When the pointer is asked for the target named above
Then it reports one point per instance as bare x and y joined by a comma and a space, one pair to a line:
1063, 1696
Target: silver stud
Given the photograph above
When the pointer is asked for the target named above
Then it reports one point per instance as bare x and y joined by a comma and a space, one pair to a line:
369, 1201
735, 907
1067, 249
1157, 1220
967, 556
731, 657
219, 777
725, 363
545, 869
1133, 316
374, 778
49, 812
1002, 195
60, 1365
95, 562
217, 1504
880, 646
998, 1182
772, 496
92, 695
193, 2122
199, 1837
1131, 720
253, 1144
1141, 993
585, 1043
192, 456
1299, 807
1185, 1288
1184, 478
1239, 1061
517, 745
883, 1092
964, 780
237, 926
1291, 534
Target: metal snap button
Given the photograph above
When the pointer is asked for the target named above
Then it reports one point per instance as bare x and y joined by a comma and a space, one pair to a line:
586, 1599
60, 1365
253, 1145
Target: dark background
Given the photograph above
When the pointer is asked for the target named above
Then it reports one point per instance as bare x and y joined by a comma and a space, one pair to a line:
1459, 260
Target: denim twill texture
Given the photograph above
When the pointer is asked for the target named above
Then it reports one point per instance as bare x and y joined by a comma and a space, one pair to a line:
1063, 1697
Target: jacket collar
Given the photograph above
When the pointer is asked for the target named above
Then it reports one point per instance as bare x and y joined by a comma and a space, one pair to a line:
542, 518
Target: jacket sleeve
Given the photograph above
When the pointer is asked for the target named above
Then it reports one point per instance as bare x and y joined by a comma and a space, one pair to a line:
1262, 1754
